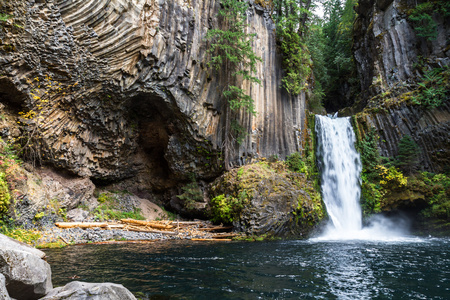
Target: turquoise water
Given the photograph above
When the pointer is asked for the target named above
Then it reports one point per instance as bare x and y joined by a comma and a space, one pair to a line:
412, 268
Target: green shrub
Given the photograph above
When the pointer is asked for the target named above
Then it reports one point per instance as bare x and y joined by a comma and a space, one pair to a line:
191, 194
226, 209
439, 185
368, 149
105, 197
433, 90
422, 17
371, 197
408, 154
5, 197
23, 235
295, 163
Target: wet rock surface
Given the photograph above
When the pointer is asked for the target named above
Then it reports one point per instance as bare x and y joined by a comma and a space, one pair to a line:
77, 290
27, 275
3, 291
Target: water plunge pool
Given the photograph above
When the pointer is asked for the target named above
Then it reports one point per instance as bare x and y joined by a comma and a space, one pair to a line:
409, 268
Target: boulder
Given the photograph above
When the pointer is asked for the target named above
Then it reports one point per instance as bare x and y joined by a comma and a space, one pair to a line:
3, 291
274, 201
77, 290
27, 275
7, 243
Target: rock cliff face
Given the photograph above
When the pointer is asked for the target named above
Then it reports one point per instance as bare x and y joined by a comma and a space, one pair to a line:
131, 94
391, 59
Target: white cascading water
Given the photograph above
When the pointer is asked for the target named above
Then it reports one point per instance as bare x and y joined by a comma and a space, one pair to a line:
340, 166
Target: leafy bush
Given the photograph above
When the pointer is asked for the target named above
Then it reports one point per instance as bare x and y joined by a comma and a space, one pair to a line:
191, 194
295, 163
4, 195
370, 157
439, 185
371, 197
424, 25
108, 209
391, 178
225, 209
433, 90
105, 197
26, 236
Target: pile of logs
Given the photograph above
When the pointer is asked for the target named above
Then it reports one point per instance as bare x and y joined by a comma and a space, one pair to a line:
202, 230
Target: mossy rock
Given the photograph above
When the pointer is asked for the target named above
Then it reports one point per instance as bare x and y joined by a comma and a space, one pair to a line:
277, 203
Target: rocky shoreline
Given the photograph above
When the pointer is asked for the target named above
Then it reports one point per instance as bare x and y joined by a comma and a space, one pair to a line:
74, 236
25, 275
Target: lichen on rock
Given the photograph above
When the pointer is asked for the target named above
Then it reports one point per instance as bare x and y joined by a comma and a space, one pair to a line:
267, 199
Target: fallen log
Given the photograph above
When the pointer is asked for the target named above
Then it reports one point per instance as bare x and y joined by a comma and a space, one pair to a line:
137, 229
212, 240
218, 236
146, 223
216, 228
80, 224
187, 222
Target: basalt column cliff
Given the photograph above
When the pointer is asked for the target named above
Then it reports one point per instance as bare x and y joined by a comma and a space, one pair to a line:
400, 63
131, 93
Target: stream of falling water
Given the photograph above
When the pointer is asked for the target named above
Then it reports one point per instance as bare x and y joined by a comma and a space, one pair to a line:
340, 166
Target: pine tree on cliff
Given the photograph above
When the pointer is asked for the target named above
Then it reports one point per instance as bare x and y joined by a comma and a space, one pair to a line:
233, 55
408, 154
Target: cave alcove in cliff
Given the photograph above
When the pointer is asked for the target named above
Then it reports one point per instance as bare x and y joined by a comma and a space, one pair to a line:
10, 95
153, 119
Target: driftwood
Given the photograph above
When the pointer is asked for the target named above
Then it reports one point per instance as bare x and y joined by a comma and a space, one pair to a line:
140, 229
216, 228
81, 224
202, 230
181, 223
146, 223
215, 240
226, 235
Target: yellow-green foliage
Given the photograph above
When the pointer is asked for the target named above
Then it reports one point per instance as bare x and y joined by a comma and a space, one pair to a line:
108, 209
4, 195
105, 197
225, 209
310, 210
53, 245
391, 178
437, 187
26, 236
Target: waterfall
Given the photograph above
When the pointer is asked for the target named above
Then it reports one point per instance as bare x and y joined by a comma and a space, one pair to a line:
340, 165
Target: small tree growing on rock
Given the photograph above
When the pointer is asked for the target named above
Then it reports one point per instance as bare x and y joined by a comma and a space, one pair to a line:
408, 154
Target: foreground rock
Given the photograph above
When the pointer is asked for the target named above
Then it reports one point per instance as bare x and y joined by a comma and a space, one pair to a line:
3, 291
24, 275
27, 275
77, 290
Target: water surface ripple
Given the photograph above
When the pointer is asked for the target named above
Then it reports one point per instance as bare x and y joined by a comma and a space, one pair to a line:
405, 269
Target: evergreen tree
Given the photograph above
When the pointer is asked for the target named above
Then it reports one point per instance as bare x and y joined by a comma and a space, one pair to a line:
338, 34
233, 53
408, 154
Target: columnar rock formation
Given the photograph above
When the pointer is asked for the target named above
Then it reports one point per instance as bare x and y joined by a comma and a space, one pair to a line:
388, 52
136, 94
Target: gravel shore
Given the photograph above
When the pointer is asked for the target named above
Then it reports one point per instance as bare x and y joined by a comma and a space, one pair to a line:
95, 235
